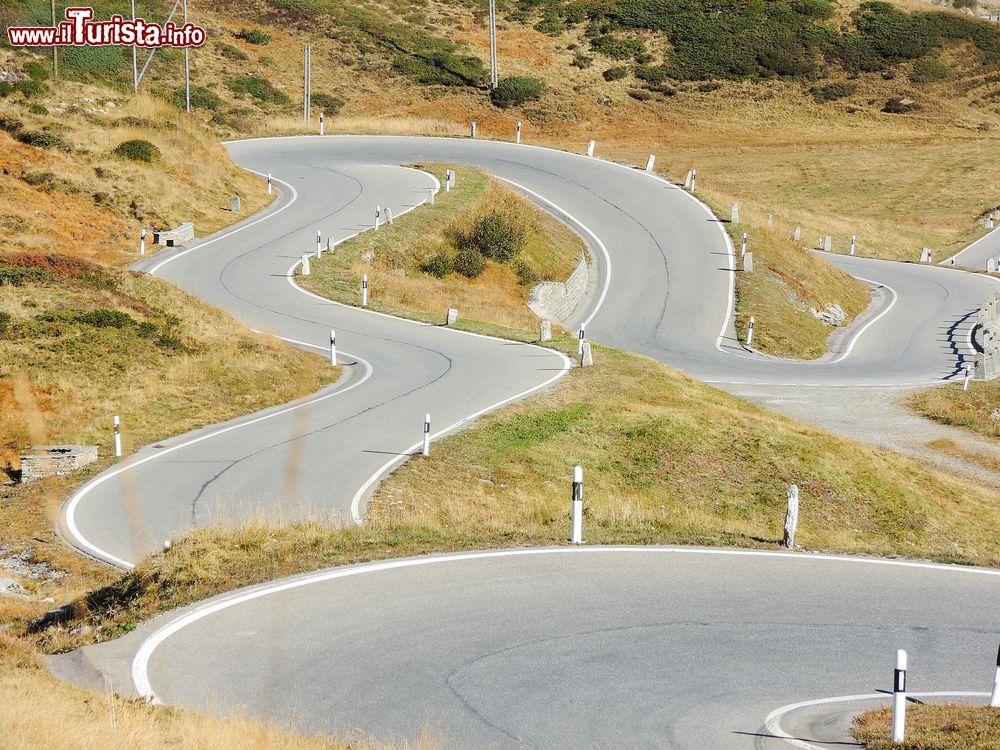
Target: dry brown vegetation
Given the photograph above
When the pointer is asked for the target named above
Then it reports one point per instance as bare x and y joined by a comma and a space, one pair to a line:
977, 409
392, 259
933, 727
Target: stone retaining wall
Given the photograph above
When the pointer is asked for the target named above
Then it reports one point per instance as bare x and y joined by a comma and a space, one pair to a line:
559, 300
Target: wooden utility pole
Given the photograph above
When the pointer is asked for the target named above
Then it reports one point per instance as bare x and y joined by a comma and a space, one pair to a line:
494, 78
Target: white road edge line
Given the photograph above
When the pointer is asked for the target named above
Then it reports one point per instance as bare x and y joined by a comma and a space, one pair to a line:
69, 509
272, 214
597, 240
140, 663
356, 516
969, 247
772, 723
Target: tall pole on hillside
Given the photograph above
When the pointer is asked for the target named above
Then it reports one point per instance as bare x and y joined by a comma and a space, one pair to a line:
187, 67
494, 78
306, 83
55, 49
135, 59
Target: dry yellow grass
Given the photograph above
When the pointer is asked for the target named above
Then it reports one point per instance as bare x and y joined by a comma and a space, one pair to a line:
977, 409
36, 710
933, 727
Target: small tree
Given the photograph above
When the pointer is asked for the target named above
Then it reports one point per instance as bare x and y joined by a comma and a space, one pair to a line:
515, 91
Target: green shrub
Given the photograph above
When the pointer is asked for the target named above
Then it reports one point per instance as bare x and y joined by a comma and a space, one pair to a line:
615, 74
37, 109
5, 321
582, 61
526, 275
37, 70
439, 264
10, 124
832, 91
496, 236
617, 49
258, 88
654, 74
43, 139
330, 105
469, 263
230, 52
19, 276
516, 91
30, 88
201, 98
254, 36
929, 70
104, 318
640, 95
93, 62
137, 150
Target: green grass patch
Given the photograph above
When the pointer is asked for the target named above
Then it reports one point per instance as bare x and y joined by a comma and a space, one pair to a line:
977, 409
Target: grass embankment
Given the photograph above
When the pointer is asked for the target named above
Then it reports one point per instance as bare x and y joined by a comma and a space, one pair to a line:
933, 727
81, 339
977, 409
667, 459
398, 259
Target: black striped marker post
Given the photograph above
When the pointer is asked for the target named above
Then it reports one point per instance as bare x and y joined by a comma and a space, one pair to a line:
319, 244
518, 131
750, 332
322, 125
995, 698
579, 348
427, 435
378, 217
142, 242
577, 535
118, 437
899, 698
364, 290
269, 188
743, 247
968, 373
333, 347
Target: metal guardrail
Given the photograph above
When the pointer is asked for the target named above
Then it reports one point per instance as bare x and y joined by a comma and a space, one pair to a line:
988, 326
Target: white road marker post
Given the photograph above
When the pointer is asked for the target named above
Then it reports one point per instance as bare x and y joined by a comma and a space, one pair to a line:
750, 332
454, 178
473, 128
791, 517
995, 698
431, 192
388, 216
743, 246
447, 181
378, 217
577, 535
518, 132
142, 242
587, 355
319, 244
118, 436
579, 349
306, 268
269, 187
322, 126
899, 698
364, 290
650, 162
968, 374
333, 347
694, 180
854, 243
427, 435
590, 148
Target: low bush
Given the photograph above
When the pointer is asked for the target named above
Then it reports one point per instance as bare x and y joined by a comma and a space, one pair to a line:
258, 88
832, 91
929, 70
104, 318
526, 275
10, 124
616, 48
640, 95
230, 52
615, 74
5, 321
582, 61
137, 150
516, 91
19, 276
469, 263
496, 236
440, 265
330, 105
254, 36
201, 98
43, 139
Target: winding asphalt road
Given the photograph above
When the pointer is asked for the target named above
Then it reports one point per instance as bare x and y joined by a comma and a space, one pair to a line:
626, 648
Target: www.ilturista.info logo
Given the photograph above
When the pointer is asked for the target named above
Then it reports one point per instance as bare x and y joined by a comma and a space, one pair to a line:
78, 30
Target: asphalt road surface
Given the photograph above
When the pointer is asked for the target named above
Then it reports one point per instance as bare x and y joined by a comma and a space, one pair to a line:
559, 650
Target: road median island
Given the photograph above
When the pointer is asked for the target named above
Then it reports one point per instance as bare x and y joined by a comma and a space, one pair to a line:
933, 727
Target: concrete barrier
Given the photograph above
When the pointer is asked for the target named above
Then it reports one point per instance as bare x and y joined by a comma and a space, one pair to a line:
174, 237
559, 300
